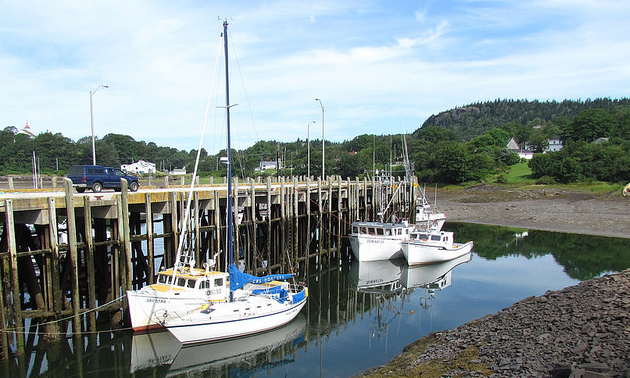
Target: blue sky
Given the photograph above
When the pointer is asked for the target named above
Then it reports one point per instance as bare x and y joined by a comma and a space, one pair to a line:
379, 66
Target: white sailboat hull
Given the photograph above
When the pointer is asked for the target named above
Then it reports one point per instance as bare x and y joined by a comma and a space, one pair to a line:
418, 252
150, 309
234, 319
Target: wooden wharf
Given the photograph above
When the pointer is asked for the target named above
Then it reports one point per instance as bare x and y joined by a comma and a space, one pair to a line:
68, 258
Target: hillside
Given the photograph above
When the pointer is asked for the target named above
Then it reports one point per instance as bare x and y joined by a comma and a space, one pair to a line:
473, 120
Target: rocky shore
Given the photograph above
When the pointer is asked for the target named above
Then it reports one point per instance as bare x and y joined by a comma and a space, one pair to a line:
580, 331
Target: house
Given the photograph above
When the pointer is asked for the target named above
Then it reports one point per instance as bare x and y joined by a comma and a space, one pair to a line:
554, 144
265, 165
139, 167
523, 153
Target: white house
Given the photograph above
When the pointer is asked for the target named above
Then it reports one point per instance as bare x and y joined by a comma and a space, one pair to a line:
139, 167
523, 153
265, 165
555, 144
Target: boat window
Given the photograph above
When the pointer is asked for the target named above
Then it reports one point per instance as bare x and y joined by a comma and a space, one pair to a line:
162, 279
363, 230
371, 231
204, 284
423, 236
435, 237
355, 230
191, 283
388, 232
181, 282
379, 231
218, 282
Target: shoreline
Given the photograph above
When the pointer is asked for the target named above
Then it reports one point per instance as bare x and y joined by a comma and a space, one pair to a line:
579, 331
540, 209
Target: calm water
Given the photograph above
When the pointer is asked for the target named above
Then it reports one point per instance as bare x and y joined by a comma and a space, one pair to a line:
358, 315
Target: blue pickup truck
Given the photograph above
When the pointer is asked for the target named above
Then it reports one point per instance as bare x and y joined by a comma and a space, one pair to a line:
97, 178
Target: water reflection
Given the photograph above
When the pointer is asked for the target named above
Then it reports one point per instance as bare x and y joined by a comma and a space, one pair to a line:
359, 315
160, 354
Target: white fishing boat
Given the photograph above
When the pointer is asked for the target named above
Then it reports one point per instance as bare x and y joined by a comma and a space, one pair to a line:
430, 247
256, 304
374, 241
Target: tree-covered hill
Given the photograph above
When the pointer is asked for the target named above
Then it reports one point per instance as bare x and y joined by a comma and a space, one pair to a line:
474, 119
465, 144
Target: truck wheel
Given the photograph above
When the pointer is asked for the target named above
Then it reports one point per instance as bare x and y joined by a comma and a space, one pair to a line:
134, 186
97, 187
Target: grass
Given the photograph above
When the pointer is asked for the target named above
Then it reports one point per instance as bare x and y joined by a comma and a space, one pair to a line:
406, 364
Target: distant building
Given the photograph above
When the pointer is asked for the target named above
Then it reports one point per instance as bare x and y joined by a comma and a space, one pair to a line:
27, 130
555, 144
523, 153
139, 167
178, 171
265, 165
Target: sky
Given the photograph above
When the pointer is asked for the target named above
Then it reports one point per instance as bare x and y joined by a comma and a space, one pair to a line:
378, 66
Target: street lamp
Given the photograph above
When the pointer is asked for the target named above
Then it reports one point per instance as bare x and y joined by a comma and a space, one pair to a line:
323, 142
308, 148
92, 121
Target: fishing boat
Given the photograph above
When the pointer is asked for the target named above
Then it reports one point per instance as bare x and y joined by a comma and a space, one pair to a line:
256, 304
430, 247
380, 240
374, 241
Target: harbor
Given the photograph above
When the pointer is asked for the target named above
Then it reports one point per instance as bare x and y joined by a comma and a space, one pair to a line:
69, 258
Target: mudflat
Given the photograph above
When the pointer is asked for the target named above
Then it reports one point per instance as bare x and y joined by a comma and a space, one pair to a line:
540, 209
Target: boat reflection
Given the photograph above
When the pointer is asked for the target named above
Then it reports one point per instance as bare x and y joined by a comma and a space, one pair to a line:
162, 354
381, 276
434, 276
394, 276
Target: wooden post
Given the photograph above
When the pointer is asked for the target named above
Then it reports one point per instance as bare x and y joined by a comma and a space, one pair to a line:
269, 223
9, 226
321, 221
89, 261
296, 223
150, 238
217, 222
72, 242
54, 295
252, 209
125, 239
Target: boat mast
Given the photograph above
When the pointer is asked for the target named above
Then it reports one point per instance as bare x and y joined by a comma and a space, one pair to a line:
230, 247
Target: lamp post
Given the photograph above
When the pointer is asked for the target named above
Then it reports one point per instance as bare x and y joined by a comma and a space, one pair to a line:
92, 121
323, 142
308, 149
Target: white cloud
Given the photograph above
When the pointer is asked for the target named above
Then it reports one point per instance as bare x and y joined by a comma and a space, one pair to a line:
377, 66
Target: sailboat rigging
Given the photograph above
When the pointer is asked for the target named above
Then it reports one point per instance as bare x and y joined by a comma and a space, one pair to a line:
255, 304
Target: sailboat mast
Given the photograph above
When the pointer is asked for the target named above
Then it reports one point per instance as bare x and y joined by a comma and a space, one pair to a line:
230, 238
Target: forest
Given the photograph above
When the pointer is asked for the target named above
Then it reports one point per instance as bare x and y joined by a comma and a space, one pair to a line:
464, 144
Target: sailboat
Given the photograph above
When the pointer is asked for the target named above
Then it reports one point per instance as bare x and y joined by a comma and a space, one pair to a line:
256, 304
